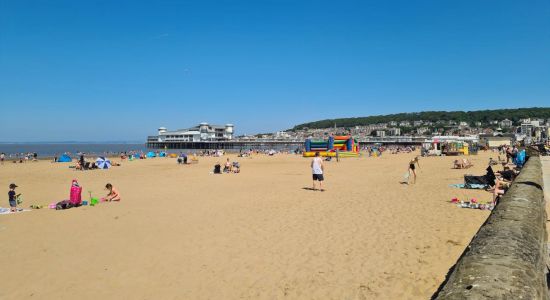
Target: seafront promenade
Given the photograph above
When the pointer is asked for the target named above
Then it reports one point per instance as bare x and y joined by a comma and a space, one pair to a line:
545, 161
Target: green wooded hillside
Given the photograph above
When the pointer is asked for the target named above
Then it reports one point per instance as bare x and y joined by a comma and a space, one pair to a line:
483, 116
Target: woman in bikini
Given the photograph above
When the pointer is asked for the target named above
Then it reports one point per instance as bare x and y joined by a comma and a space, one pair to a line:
412, 168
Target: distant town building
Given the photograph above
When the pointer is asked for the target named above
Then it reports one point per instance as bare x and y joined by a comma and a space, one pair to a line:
395, 131
506, 123
405, 123
393, 123
418, 123
202, 132
282, 135
422, 130
495, 140
380, 133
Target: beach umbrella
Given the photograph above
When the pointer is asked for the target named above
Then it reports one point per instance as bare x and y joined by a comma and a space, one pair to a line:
103, 163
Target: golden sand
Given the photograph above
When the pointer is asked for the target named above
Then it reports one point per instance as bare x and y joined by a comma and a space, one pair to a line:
183, 233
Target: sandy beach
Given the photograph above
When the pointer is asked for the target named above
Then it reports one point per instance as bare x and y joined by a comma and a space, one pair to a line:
183, 233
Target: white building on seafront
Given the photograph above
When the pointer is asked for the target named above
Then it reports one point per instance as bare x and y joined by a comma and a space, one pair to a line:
200, 133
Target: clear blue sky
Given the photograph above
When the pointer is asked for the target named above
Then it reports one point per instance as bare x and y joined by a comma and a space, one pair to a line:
117, 70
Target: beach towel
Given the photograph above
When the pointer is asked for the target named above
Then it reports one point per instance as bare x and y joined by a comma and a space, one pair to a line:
468, 186
6, 211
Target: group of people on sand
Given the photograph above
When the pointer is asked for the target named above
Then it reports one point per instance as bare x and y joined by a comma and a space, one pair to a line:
75, 197
502, 182
19, 158
183, 158
229, 167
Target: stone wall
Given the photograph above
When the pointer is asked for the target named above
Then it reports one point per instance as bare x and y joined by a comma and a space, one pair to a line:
507, 259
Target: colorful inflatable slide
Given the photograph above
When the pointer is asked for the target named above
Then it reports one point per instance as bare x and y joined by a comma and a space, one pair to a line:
346, 145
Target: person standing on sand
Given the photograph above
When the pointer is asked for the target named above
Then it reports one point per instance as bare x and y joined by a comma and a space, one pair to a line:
2, 157
13, 197
412, 168
318, 169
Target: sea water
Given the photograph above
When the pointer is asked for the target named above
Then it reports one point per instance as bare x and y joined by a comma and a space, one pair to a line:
51, 150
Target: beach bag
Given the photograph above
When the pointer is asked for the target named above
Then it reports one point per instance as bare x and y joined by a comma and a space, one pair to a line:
471, 179
76, 196
520, 159
65, 204
405, 178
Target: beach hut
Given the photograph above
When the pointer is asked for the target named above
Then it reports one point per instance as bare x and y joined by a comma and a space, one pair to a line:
64, 158
103, 163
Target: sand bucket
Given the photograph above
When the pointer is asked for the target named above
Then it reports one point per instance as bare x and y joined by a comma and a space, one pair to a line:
93, 201
84, 202
52, 205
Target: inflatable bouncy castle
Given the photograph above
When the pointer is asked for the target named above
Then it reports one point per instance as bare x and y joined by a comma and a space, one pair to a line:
346, 145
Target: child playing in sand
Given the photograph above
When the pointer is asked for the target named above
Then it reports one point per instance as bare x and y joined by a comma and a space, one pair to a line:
13, 197
113, 193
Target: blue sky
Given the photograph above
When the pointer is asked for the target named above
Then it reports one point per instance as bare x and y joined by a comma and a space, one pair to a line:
117, 70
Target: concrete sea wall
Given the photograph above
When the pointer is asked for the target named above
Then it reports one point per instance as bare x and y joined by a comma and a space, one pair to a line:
507, 259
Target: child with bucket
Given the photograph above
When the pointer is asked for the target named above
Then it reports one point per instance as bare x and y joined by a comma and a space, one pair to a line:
113, 194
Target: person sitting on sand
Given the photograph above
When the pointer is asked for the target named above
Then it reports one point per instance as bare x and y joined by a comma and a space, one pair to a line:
227, 167
217, 168
462, 163
412, 169
507, 174
501, 186
236, 168
113, 193
458, 164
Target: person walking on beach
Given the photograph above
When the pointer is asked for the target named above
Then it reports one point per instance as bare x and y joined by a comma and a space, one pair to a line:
318, 169
412, 168
2, 157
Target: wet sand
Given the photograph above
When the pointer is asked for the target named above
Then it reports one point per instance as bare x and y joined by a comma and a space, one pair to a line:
183, 233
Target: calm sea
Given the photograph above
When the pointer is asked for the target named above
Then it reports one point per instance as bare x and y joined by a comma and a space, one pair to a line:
50, 150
